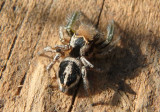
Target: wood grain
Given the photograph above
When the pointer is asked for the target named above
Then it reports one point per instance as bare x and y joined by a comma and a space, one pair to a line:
130, 80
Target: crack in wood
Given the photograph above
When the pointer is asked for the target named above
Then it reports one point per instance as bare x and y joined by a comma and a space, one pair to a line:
10, 51
9, 55
100, 14
24, 77
32, 56
74, 97
1, 7
21, 84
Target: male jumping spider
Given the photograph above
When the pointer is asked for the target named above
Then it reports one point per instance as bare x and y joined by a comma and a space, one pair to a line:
83, 43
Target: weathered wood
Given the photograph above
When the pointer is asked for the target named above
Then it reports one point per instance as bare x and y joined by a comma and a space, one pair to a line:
130, 81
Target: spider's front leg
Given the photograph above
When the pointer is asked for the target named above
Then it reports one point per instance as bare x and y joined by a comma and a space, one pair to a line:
71, 21
57, 56
63, 38
68, 28
110, 33
47, 49
56, 49
62, 47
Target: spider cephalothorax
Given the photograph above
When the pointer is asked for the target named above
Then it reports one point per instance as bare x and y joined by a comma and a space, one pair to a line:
83, 43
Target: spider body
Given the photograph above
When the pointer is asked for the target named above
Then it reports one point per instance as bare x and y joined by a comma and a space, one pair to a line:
80, 47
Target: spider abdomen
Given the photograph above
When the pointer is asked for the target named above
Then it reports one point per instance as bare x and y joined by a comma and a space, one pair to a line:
69, 73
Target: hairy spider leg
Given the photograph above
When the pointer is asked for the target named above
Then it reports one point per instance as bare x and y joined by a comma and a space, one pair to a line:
112, 46
86, 84
63, 47
47, 49
102, 45
58, 50
57, 56
71, 21
86, 63
110, 33
61, 37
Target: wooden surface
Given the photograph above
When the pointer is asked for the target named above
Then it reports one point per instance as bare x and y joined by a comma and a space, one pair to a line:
131, 78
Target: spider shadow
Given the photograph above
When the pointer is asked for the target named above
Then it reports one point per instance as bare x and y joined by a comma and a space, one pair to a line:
123, 63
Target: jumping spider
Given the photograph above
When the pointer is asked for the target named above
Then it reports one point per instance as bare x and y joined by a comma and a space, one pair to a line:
83, 44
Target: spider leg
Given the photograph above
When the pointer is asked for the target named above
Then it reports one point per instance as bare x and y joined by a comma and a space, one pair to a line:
47, 49
85, 62
104, 52
57, 56
71, 21
61, 36
57, 48
63, 47
110, 33
68, 27
86, 83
